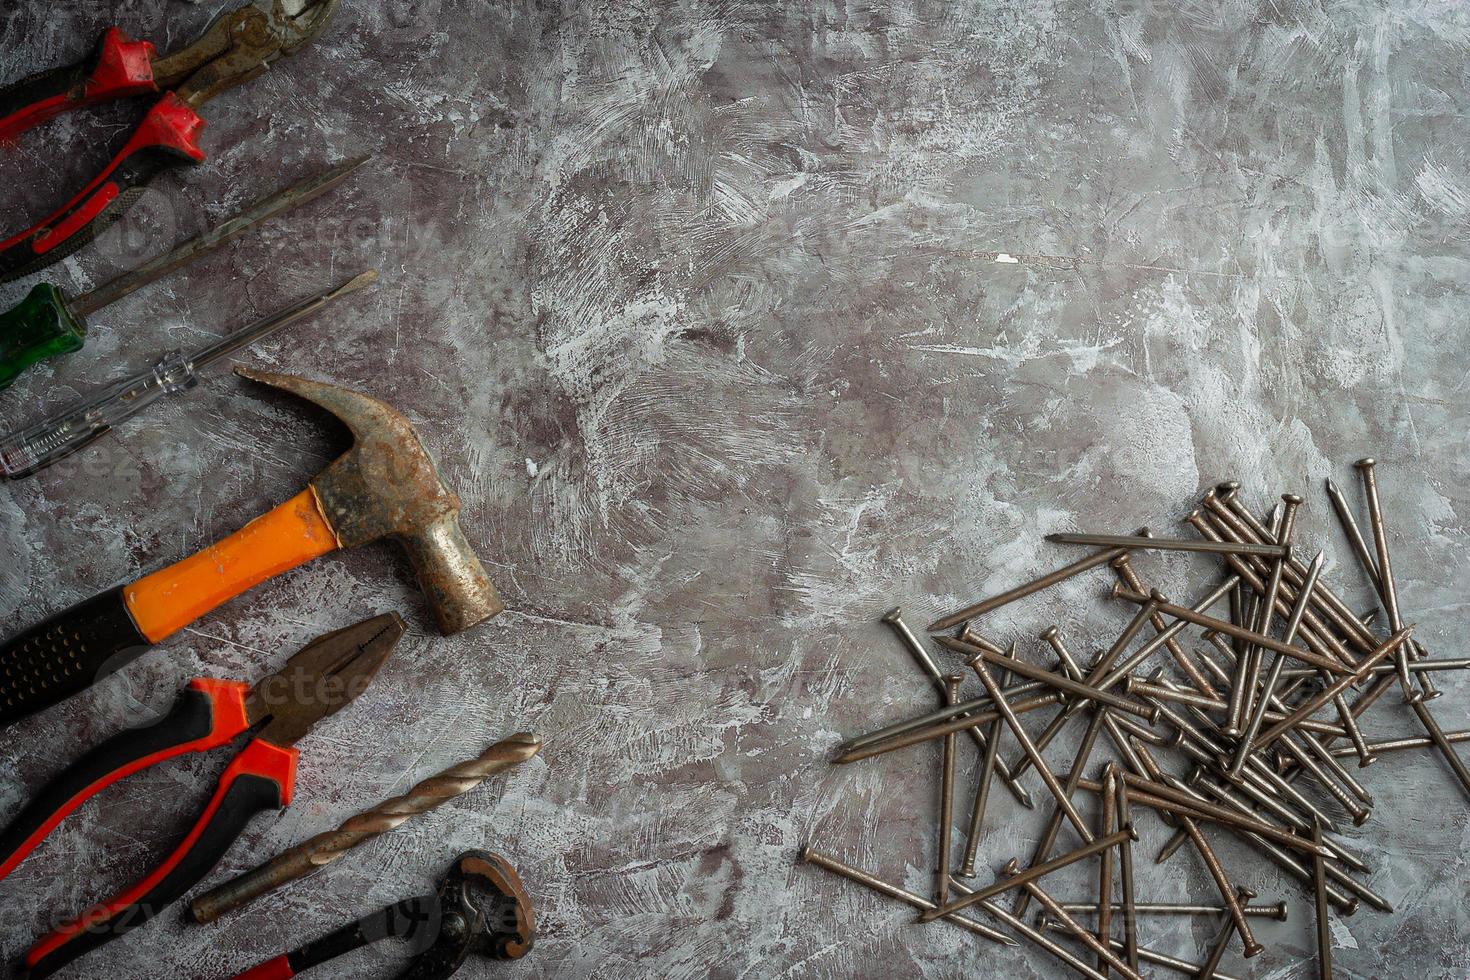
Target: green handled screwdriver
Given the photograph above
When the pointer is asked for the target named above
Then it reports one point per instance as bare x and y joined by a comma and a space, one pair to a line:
32, 449
47, 324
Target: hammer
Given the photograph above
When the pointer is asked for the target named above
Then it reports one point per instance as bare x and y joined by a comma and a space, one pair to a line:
385, 486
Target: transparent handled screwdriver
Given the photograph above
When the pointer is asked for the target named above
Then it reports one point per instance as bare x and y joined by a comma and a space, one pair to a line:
32, 449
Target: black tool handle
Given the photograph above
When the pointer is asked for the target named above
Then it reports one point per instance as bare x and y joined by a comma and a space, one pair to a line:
261, 778
208, 714
167, 137
415, 919
119, 67
66, 654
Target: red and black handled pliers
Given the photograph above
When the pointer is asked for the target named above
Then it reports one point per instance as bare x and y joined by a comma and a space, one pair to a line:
316, 683
237, 47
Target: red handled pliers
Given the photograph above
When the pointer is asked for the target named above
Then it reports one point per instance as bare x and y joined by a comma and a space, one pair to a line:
316, 683
237, 47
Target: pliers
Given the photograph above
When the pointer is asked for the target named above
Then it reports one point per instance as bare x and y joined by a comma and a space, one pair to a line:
236, 47
480, 907
325, 677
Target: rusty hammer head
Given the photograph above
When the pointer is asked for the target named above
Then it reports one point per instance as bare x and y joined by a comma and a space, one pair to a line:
386, 486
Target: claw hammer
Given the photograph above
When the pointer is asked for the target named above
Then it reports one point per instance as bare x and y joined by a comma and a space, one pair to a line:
385, 486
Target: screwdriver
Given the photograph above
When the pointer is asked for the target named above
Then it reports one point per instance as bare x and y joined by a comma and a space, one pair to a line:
33, 449
47, 324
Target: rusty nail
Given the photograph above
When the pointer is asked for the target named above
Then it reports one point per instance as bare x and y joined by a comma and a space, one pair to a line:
1388, 591
1100, 943
952, 684
1125, 871
1021, 591
1005, 884
1031, 751
829, 863
1278, 911
1054, 822
1107, 825
1319, 889
1172, 544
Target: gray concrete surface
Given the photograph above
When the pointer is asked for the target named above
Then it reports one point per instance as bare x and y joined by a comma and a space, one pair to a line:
736, 324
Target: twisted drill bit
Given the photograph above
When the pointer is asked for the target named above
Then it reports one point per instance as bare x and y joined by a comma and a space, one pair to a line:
316, 852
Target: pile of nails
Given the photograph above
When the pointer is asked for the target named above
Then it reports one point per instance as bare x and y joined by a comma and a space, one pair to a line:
1254, 737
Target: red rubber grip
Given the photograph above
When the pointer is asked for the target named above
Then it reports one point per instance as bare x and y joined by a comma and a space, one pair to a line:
261, 759
276, 969
228, 719
124, 67
170, 125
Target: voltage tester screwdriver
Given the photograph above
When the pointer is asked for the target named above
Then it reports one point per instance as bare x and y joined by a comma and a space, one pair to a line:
47, 323
37, 447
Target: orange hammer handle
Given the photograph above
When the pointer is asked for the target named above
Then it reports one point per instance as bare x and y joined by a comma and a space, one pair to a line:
166, 601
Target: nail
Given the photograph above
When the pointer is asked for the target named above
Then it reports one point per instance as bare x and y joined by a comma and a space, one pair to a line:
1399, 744
1131, 664
1238, 523
1303, 872
1055, 726
1041, 941
942, 713
1336, 687
1053, 637
1098, 670
1220, 522
1230, 629
1257, 782
1277, 911
1164, 794
1290, 502
1366, 560
1442, 743
1123, 568
952, 684
1252, 727
1319, 885
1053, 827
930, 732
969, 635
1216, 869
1100, 945
1355, 810
1037, 761
1172, 544
1124, 816
1388, 591
982, 799
1416, 667
1020, 667
1147, 689
1218, 946
811, 856
1154, 956
1005, 884
1021, 591
1107, 825
1319, 751
1353, 533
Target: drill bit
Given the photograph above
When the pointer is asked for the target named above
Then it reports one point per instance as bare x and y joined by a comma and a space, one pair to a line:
299, 861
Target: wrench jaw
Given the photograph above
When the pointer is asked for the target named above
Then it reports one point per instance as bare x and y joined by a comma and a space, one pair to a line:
482, 909
509, 929
301, 21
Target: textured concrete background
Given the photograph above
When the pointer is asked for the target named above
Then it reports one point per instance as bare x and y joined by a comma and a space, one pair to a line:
699, 306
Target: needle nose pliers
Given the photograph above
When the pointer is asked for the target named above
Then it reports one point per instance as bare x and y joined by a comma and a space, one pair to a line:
325, 677
236, 47
479, 907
